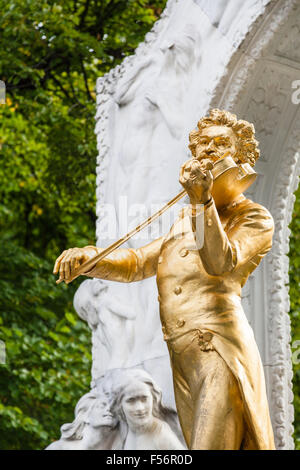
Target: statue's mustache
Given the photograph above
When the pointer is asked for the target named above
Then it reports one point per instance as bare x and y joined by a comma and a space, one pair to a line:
212, 155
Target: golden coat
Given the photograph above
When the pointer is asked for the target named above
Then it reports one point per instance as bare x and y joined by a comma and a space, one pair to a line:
201, 290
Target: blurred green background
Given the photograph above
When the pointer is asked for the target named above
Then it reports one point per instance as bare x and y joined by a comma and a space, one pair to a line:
52, 52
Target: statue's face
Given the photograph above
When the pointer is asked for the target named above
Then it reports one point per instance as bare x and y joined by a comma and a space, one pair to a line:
216, 142
137, 404
101, 414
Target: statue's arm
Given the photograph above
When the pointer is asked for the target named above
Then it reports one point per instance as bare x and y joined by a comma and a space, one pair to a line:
122, 265
168, 107
129, 265
127, 87
249, 237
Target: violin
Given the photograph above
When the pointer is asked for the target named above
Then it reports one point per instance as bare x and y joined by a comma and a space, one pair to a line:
230, 180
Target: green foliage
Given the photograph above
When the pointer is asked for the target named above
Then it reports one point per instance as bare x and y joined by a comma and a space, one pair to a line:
295, 310
52, 52
47, 350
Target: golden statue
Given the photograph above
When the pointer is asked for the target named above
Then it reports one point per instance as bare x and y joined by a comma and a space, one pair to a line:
217, 371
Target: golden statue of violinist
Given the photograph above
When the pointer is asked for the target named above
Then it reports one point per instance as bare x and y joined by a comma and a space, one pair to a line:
217, 371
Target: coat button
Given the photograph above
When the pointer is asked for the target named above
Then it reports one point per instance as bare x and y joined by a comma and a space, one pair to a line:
160, 260
177, 290
180, 323
184, 253
207, 336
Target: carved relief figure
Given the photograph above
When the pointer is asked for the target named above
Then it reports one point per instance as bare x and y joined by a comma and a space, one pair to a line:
138, 404
94, 426
107, 316
125, 411
217, 371
160, 110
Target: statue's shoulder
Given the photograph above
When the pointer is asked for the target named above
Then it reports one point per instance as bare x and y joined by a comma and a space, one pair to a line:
250, 206
248, 210
166, 437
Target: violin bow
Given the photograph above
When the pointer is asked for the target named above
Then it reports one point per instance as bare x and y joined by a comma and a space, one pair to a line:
91, 263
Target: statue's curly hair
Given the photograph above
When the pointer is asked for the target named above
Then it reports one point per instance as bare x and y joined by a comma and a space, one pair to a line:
247, 145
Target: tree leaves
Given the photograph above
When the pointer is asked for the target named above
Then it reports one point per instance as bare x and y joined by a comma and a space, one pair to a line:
294, 274
52, 52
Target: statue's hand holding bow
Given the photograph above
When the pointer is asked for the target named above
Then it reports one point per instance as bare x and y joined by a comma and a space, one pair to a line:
71, 259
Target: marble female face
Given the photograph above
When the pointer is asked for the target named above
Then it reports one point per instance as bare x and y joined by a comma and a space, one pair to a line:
101, 414
137, 404
216, 142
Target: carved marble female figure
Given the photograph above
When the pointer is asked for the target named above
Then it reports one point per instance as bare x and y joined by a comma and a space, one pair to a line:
138, 405
217, 371
159, 113
94, 426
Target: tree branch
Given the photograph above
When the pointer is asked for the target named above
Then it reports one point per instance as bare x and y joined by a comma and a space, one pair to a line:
60, 86
84, 13
89, 96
